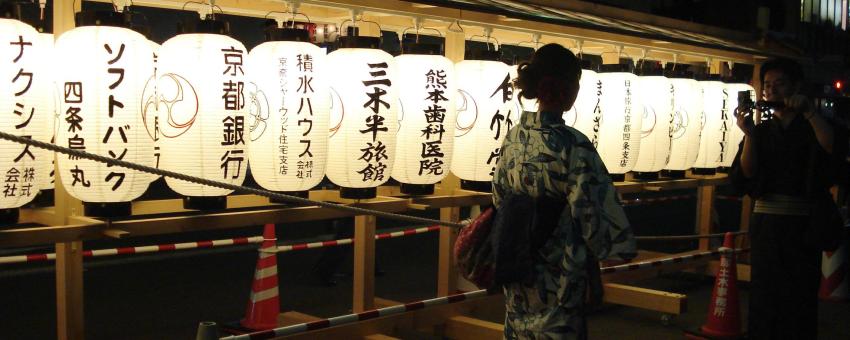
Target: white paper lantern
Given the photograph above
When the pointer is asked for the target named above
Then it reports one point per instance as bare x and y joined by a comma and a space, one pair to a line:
486, 111
619, 131
149, 109
364, 120
426, 86
25, 100
288, 112
202, 104
736, 135
717, 124
102, 73
586, 113
687, 97
523, 104
47, 165
656, 93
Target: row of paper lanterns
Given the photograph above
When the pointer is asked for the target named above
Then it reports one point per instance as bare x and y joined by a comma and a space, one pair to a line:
203, 106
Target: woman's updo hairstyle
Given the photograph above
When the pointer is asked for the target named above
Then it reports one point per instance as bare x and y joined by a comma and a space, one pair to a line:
550, 75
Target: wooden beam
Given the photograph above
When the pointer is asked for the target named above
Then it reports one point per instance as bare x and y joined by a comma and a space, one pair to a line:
650, 299
446, 270
464, 327
294, 318
69, 290
364, 263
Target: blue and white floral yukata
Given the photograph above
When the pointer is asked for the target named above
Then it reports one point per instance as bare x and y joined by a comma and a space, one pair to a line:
542, 157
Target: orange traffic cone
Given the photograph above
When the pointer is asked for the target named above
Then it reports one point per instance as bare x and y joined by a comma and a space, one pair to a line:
835, 283
264, 305
724, 312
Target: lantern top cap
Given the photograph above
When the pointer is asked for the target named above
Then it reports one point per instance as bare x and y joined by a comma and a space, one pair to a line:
209, 25
126, 19
287, 34
483, 55
359, 42
710, 77
422, 48
650, 68
611, 68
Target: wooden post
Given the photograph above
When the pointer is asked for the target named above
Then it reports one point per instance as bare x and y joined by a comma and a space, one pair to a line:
447, 272
69, 290
705, 199
69, 255
364, 263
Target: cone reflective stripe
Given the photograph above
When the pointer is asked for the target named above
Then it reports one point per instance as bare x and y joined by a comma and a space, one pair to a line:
724, 312
264, 304
834, 283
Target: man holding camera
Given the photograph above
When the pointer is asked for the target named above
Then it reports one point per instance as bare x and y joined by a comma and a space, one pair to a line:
787, 164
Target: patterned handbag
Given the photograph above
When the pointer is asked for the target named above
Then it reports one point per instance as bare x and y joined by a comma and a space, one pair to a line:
473, 250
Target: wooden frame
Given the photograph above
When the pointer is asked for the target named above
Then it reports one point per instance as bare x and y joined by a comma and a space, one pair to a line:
67, 229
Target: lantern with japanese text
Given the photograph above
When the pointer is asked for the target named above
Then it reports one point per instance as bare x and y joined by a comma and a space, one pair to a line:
686, 126
202, 104
47, 165
486, 111
717, 126
363, 117
149, 109
24, 99
586, 113
621, 115
426, 86
737, 135
287, 117
101, 74
656, 93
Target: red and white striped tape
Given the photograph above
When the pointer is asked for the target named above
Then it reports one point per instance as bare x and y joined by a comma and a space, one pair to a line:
640, 201
207, 244
345, 241
136, 250
679, 259
357, 317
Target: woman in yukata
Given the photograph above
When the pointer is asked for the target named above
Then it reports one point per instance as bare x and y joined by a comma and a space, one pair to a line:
545, 159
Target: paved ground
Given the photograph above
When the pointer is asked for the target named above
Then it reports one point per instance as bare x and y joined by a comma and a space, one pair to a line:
165, 296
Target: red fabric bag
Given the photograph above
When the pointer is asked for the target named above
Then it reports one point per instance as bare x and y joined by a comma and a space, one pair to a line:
473, 250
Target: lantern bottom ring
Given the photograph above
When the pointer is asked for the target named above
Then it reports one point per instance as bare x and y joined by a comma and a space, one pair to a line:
673, 173
9, 216
416, 189
481, 186
704, 171
617, 177
645, 176
205, 203
107, 209
358, 193
301, 194
724, 169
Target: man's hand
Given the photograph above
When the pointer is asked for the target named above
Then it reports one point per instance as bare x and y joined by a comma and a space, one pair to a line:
800, 104
744, 120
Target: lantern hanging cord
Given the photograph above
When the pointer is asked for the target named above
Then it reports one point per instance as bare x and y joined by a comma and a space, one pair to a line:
235, 188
